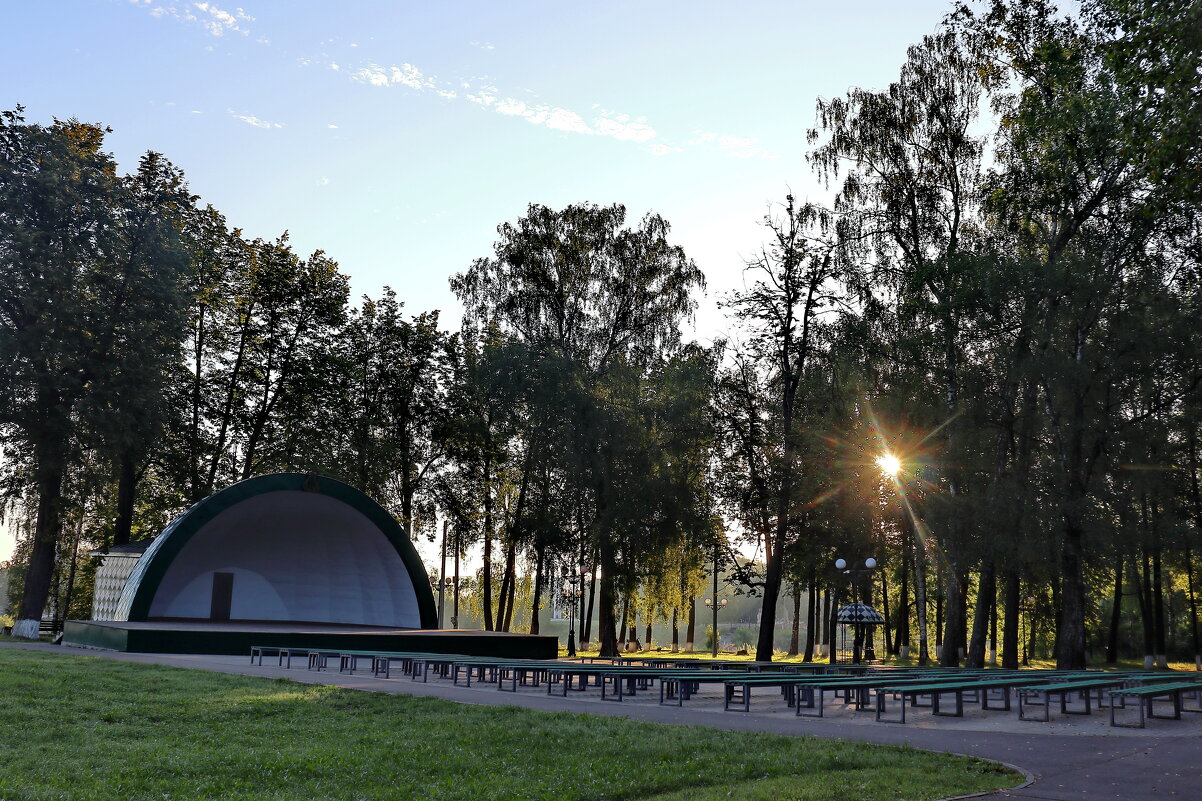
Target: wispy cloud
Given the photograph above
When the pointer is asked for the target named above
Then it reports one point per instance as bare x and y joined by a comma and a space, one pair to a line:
660, 149
215, 20
255, 121
478, 90
403, 75
739, 147
559, 119
621, 126
482, 93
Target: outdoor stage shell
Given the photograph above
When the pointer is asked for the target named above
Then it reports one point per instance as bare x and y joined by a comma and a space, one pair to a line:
286, 559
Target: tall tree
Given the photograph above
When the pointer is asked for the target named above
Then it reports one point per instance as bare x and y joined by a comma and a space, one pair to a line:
84, 282
603, 302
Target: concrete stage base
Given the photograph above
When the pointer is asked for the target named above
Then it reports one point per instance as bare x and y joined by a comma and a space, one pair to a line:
234, 637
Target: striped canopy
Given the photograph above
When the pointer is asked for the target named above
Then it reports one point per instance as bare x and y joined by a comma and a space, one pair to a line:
859, 613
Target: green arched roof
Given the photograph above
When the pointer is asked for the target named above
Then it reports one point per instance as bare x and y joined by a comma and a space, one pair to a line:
144, 581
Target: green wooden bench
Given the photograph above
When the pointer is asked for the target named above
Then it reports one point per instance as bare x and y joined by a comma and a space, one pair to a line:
606, 676
812, 695
738, 690
284, 654
1147, 694
940, 687
1085, 687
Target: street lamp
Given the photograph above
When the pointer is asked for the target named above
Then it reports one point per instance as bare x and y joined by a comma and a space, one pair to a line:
446, 584
853, 575
571, 592
715, 604
436, 586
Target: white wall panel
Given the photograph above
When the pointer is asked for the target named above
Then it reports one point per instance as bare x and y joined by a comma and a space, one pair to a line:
295, 555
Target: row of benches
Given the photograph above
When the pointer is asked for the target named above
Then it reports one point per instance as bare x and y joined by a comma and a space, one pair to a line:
804, 687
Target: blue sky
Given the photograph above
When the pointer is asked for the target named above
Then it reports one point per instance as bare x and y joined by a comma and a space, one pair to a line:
396, 136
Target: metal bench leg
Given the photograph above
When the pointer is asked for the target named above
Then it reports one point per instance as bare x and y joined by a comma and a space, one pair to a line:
1114, 706
880, 709
1022, 696
817, 698
1175, 697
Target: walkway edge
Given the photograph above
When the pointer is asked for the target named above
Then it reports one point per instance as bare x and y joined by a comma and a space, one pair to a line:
1028, 778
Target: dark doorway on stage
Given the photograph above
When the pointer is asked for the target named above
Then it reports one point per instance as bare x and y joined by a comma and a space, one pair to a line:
223, 596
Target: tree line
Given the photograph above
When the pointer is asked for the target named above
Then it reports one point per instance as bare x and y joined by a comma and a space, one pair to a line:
1001, 293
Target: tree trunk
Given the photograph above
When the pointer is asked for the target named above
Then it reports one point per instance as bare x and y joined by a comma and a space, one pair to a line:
624, 632
772, 581
66, 609
1032, 633
956, 622
1116, 613
691, 628
993, 627
587, 626
486, 589
502, 595
1070, 635
889, 646
1193, 606
227, 412
794, 636
195, 490
784, 505
1196, 505
833, 623
536, 600
827, 634
675, 631
1012, 600
811, 619
45, 541
1158, 607
512, 579
127, 477
901, 640
939, 640
455, 600
920, 599
607, 634
986, 591
1143, 593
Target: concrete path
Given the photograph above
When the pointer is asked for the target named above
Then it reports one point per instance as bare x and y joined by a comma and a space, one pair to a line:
1066, 766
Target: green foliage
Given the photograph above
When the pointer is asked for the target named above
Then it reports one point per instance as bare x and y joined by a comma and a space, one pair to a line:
608, 407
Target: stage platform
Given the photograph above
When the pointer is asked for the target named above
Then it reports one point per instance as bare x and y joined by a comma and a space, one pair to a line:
235, 637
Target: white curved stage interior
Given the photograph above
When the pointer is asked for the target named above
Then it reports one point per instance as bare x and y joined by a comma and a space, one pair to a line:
290, 556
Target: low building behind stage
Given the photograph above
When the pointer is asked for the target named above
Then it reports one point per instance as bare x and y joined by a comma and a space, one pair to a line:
117, 562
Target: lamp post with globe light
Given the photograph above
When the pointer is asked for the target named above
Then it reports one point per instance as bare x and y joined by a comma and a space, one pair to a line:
853, 575
715, 604
571, 593
442, 586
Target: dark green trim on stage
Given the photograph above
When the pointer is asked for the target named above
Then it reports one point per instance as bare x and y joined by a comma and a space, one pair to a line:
156, 638
148, 574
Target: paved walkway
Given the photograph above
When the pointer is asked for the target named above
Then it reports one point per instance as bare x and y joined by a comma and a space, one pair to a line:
1115, 765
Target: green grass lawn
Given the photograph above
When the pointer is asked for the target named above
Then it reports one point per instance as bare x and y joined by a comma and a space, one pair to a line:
76, 727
